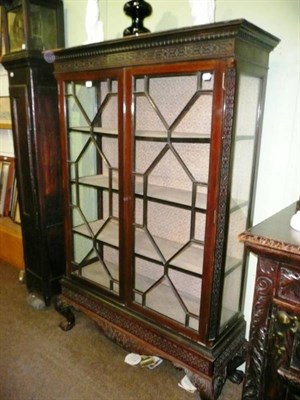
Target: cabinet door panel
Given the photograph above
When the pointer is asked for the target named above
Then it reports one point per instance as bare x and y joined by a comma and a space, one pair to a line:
172, 123
93, 171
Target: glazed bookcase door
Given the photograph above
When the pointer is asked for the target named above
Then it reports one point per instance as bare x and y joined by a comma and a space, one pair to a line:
92, 137
172, 129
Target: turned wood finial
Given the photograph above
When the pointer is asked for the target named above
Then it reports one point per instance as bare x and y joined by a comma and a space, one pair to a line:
137, 10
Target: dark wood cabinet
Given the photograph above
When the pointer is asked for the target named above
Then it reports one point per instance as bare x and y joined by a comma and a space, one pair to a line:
160, 135
29, 28
34, 105
273, 364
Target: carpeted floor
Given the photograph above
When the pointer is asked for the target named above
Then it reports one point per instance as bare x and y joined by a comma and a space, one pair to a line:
38, 361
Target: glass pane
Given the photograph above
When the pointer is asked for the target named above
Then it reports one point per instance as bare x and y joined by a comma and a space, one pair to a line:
43, 27
176, 295
16, 30
231, 298
94, 171
172, 129
4, 172
244, 145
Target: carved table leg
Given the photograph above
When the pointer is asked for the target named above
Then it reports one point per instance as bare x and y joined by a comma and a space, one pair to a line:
263, 295
66, 311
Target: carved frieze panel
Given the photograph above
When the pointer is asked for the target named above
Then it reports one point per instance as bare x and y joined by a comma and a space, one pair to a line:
135, 329
151, 53
289, 285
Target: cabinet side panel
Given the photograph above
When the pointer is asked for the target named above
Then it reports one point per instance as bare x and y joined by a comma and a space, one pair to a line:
25, 177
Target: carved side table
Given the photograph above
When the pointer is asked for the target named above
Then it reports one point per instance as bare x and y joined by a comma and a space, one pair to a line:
273, 362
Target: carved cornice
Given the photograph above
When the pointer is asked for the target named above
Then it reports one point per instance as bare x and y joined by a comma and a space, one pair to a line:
157, 52
206, 41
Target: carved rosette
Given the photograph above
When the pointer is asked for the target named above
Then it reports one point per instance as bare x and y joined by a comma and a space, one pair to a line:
263, 296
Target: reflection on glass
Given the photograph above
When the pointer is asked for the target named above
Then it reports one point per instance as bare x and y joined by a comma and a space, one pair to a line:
42, 33
244, 143
43, 27
16, 30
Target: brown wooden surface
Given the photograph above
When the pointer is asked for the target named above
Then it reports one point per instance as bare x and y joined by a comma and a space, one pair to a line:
275, 233
11, 246
272, 368
33, 96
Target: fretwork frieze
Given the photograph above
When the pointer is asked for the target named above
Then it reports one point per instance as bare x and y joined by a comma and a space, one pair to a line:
224, 182
154, 54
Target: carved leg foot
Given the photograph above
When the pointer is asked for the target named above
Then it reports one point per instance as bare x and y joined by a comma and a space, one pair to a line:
208, 388
236, 377
233, 374
66, 311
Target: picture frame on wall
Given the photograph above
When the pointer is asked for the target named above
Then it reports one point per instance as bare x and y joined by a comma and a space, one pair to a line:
5, 114
6, 183
14, 208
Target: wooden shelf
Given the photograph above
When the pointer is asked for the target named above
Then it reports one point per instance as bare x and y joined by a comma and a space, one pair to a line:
190, 259
11, 244
155, 192
177, 197
147, 135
